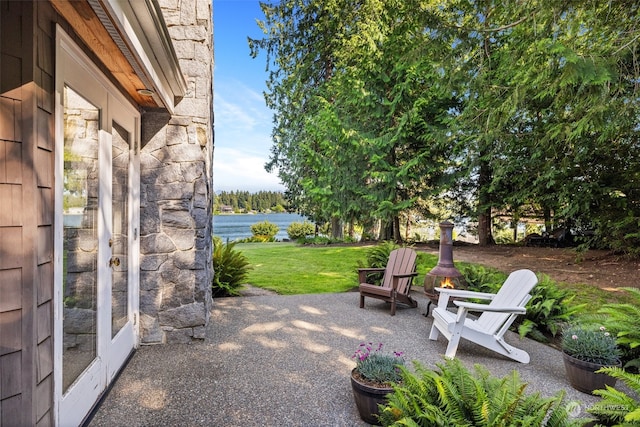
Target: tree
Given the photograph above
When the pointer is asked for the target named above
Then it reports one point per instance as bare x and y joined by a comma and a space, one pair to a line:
358, 150
389, 107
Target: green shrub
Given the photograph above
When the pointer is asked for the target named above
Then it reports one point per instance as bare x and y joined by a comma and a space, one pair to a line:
300, 230
623, 320
378, 366
323, 240
482, 279
549, 308
377, 257
590, 343
257, 239
231, 268
316, 240
616, 407
264, 231
454, 396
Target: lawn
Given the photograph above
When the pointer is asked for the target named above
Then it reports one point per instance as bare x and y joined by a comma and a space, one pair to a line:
289, 269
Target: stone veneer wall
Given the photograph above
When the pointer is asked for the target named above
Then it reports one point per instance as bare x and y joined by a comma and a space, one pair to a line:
176, 189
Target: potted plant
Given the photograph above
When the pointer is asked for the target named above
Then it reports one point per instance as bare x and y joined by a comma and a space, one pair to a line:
587, 348
372, 378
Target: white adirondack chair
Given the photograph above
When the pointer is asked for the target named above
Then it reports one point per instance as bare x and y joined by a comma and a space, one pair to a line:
496, 318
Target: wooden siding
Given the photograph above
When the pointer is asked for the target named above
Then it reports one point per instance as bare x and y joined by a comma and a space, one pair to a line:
26, 213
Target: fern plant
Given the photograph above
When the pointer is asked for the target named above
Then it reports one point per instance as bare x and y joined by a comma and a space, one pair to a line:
377, 257
455, 396
482, 279
548, 310
230, 268
623, 321
616, 407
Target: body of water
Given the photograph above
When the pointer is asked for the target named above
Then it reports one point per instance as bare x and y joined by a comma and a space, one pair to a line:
238, 226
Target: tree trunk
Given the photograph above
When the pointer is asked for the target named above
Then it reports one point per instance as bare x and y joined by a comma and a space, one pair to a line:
547, 220
485, 238
386, 230
407, 228
336, 228
397, 237
371, 230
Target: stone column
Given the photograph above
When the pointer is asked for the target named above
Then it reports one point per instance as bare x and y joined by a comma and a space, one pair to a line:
177, 191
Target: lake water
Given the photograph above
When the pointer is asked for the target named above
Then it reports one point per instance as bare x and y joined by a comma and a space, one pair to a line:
238, 226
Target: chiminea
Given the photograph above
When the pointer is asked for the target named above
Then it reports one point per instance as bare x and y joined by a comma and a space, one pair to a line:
444, 274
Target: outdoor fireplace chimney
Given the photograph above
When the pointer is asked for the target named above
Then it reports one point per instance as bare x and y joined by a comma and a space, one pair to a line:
445, 267
444, 273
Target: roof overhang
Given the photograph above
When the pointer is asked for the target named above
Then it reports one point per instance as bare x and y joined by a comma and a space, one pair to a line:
131, 39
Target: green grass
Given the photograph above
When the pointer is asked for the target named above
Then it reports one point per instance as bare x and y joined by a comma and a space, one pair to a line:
594, 297
290, 269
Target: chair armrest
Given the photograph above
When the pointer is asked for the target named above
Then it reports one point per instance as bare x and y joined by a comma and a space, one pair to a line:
371, 269
396, 277
471, 306
401, 276
362, 273
446, 293
462, 293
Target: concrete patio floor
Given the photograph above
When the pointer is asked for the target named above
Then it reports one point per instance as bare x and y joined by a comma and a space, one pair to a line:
285, 361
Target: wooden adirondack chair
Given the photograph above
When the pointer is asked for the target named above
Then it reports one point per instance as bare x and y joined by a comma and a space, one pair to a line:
496, 318
396, 281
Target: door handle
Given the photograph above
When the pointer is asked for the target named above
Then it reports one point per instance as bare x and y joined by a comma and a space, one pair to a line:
114, 261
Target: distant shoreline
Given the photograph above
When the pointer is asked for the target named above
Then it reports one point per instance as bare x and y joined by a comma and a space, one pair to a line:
238, 225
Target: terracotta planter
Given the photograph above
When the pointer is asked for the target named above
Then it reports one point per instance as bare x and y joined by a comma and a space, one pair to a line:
368, 398
582, 375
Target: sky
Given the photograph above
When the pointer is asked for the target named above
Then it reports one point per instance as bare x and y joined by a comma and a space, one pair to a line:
243, 123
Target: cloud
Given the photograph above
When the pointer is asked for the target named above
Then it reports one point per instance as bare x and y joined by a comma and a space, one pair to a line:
233, 116
236, 170
242, 139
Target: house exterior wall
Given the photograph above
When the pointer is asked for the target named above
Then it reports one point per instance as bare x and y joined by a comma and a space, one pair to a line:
176, 193
176, 189
26, 213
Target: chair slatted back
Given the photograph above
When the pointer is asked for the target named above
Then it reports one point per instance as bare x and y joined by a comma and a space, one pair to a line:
514, 292
401, 261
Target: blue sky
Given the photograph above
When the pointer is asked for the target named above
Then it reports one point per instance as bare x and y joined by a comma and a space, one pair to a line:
242, 121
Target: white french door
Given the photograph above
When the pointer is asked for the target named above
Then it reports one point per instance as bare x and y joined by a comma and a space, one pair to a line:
96, 232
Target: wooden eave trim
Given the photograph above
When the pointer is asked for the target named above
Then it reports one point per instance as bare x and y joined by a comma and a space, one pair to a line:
138, 28
126, 69
87, 25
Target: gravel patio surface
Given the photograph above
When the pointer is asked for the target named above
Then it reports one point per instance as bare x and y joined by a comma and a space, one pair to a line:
272, 360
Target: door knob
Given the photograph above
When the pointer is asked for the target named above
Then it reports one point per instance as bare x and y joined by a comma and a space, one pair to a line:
114, 262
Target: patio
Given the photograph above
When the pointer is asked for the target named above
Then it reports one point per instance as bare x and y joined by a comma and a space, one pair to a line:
285, 360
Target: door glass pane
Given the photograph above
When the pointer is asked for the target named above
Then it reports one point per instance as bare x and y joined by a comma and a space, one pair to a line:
119, 253
80, 225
